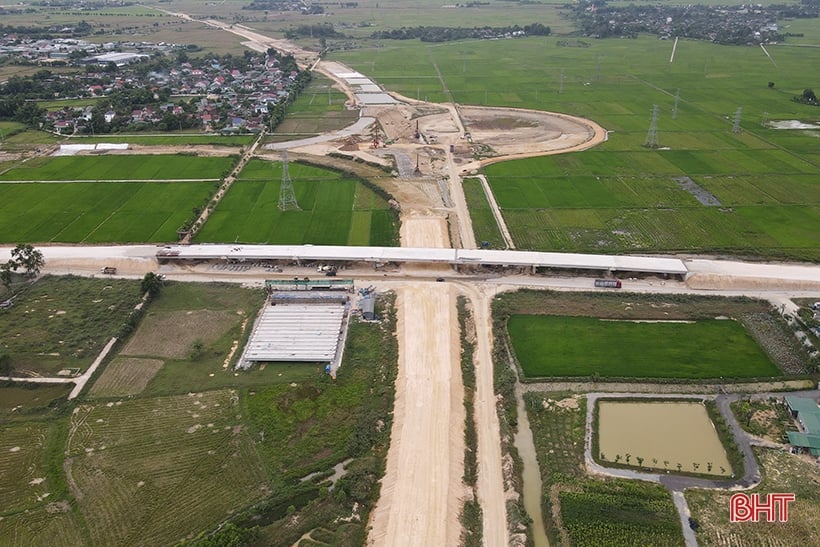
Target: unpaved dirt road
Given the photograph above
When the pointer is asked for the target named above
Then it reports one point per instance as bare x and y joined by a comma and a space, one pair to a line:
422, 488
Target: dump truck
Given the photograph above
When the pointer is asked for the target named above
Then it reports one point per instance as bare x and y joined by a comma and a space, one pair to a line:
608, 283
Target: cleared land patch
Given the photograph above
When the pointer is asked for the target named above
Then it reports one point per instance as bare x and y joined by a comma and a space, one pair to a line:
63, 322
155, 471
125, 376
576, 346
171, 334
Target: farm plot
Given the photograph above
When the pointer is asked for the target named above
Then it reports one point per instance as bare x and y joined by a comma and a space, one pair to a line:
187, 340
332, 211
578, 346
123, 168
484, 224
123, 377
63, 322
318, 109
616, 83
107, 212
584, 511
159, 470
781, 472
22, 466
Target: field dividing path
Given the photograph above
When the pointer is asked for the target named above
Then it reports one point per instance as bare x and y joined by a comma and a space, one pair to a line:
422, 489
490, 481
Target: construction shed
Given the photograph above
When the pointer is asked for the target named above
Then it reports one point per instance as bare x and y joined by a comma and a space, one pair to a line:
807, 414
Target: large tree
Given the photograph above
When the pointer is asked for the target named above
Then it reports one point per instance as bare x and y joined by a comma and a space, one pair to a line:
28, 258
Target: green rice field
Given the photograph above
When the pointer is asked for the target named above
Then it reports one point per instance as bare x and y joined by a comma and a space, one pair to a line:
103, 212
335, 210
621, 196
583, 346
121, 168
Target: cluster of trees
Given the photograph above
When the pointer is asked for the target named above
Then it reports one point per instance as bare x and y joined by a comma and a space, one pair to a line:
447, 34
808, 97
720, 24
23, 257
80, 29
322, 30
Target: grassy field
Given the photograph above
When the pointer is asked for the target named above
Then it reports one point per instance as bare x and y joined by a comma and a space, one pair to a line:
782, 472
584, 511
578, 346
168, 139
335, 210
318, 109
17, 400
105, 212
63, 322
121, 168
621, 196
157, 470
485, 227
184, 341
317, 423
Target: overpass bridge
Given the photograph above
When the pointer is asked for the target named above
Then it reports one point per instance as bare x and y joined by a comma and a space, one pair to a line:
418, 255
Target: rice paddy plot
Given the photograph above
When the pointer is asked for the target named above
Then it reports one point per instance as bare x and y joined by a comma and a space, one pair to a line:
108, 212
123, 168
549, 346
330, 211
155, 471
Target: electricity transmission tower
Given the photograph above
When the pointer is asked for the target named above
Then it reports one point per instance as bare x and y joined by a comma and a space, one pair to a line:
287, 198
736, 126
765, 121
675, 108
652, 135
561, 82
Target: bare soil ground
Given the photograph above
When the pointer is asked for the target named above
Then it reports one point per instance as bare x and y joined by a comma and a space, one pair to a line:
170, 335
125, 376
422, 488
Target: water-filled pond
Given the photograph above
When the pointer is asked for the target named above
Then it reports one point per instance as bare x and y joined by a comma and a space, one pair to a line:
663, 435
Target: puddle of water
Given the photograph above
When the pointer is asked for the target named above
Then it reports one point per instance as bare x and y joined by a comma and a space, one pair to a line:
531, 474
669, 432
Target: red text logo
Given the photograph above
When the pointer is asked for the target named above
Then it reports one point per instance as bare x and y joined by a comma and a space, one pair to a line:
746, 508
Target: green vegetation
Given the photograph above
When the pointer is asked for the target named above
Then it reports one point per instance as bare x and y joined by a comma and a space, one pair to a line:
781, 472
87, 212
579, 346
162, 469
485, 228
471, 514
762, 325
336, 209
318, 109
63, 322
121, 168
620, 196
318, 423
584, 511
168, 139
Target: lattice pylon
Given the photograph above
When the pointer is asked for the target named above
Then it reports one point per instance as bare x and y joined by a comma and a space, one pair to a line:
652, 134
287, 198
736, 126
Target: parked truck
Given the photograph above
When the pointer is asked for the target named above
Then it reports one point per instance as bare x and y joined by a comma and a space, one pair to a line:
608, 283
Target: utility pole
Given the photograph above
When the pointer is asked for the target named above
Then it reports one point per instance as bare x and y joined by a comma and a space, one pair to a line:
287, 197
652, 135
675, 108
